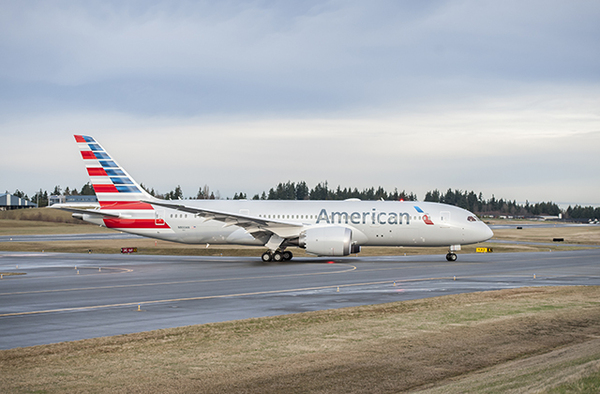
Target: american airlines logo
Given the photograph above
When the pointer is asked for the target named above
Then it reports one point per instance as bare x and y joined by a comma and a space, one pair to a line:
426, 218
370, 217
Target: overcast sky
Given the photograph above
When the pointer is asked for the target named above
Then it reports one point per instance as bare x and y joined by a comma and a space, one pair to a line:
497, 97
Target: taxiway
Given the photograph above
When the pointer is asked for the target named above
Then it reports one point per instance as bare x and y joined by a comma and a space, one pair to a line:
65, 297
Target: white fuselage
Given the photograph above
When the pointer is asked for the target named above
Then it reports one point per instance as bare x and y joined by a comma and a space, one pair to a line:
373, 223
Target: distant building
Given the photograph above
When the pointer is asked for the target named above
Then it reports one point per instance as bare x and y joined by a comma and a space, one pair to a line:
8, 201
558, 217
82, 198
56, 200
79, 198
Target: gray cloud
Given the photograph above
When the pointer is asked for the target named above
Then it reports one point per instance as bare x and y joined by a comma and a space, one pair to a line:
481, 95
204, 57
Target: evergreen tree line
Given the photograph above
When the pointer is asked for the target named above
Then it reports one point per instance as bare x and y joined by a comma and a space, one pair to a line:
468, 200
477, 204
579, 212
300, 191
204, 193
41, 197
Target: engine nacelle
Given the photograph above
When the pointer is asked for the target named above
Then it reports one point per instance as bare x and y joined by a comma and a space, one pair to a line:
328, 241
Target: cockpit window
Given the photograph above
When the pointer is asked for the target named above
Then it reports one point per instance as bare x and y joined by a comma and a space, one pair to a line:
471, 218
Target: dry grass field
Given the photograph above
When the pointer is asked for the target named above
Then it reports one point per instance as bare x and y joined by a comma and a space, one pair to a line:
43, 221
586, 234
40, 215
520, 340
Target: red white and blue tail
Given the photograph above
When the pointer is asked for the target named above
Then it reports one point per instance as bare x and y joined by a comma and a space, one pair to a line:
114, 187
119, 195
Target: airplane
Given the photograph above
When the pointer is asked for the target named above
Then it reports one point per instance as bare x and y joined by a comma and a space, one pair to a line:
321, 228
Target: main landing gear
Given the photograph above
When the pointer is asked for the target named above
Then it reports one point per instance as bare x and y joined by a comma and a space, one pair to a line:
277, 256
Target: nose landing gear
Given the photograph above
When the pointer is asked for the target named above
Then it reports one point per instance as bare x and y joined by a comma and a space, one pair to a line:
451, 256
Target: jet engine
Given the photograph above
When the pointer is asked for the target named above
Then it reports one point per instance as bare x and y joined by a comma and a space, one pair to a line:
328, 241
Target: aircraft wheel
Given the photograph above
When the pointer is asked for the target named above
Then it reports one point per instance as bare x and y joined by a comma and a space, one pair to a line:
278, 256
266, 257
451, 257
287, 255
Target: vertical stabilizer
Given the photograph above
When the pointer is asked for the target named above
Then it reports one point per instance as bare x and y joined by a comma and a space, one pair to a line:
114, 187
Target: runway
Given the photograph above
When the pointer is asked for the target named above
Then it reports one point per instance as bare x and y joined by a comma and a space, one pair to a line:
68, 237
65, 297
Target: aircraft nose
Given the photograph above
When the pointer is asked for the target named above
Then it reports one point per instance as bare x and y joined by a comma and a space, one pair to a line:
486, 232
478, 232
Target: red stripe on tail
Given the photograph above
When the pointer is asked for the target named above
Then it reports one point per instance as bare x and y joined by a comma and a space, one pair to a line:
105, 189
96, 172
88, 154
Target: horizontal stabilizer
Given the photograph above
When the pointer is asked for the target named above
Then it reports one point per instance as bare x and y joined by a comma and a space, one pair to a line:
95, 212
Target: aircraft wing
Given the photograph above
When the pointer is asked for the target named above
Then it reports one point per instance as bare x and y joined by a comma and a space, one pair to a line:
254, 225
